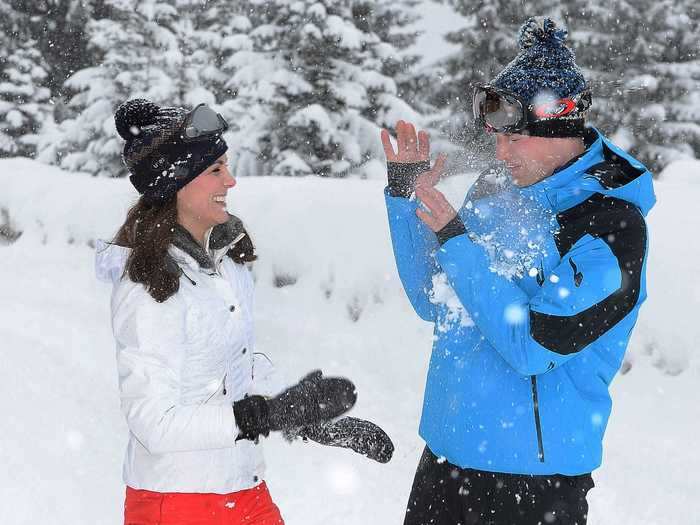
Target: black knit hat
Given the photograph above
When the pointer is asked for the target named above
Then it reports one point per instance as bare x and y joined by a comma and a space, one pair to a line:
159, 161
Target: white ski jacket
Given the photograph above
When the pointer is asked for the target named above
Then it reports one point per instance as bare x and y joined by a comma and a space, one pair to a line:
181, 365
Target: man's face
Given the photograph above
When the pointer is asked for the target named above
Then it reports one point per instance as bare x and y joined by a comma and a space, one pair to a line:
530, 159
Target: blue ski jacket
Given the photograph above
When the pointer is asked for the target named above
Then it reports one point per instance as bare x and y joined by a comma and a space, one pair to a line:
533, 308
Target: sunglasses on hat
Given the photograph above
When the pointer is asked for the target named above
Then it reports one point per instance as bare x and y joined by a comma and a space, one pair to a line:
201, 123
502, 111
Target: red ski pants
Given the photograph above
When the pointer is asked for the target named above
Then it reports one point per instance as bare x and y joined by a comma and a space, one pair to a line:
246, 507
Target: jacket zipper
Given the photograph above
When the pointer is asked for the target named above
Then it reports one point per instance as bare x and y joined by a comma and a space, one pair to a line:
223, 384
536, 405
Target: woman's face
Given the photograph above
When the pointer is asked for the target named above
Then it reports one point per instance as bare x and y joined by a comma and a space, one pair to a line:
201, 204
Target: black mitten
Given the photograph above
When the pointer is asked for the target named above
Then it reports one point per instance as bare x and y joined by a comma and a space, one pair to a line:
315, 399
364, 437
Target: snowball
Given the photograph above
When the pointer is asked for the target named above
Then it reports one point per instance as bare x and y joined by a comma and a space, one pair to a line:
74, 440
342, 478
515, 314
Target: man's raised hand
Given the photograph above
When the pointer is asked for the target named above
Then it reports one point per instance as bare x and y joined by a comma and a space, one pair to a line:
410, 146
409, 162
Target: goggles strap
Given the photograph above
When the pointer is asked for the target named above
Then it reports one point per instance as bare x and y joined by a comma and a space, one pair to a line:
557, 128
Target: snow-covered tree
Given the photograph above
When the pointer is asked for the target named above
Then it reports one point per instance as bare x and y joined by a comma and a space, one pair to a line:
24, 99
312, 83
153, 49
670, 123
642, 59
58, 27
393, 22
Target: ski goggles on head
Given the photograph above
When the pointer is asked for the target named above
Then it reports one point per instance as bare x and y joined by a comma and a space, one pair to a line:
498, 110
201, 123
502, 111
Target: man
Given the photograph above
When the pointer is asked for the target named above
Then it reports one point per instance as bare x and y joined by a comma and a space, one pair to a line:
533, 286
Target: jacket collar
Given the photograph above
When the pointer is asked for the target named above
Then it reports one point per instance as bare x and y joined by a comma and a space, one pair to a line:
573, 183
563, 188
185, 250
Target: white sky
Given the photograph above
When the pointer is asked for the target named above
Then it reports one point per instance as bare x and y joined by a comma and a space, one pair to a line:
436, 20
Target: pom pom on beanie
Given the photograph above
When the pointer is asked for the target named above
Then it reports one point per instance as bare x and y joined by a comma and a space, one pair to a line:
544, 64
133, 115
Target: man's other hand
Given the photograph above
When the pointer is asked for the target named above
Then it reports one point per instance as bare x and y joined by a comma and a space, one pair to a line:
440, 212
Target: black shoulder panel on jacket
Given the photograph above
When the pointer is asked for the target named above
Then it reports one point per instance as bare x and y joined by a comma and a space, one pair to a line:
621, 226
614, 171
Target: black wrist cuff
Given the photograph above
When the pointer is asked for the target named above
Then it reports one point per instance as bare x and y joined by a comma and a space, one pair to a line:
402, 177
451, 229
252, 415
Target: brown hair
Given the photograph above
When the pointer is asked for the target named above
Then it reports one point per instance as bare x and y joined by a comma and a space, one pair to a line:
148, 231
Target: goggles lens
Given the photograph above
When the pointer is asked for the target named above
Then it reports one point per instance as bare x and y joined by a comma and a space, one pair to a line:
204, 122
497, 111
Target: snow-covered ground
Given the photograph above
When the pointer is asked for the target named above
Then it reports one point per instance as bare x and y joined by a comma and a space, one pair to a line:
63, 436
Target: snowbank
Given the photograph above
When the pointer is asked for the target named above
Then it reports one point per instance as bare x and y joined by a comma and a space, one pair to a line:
319, 234
328, 296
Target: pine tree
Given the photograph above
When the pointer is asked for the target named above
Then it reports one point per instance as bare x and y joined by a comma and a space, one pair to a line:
24, 99
391, 20
312, 82
642, 64
146, 48
58, 27
663, 111
611, 56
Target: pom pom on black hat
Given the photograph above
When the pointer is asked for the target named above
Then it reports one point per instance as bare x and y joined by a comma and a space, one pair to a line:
133, 115
541, 31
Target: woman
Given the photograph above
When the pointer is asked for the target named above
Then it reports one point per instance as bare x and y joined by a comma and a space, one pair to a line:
191, 387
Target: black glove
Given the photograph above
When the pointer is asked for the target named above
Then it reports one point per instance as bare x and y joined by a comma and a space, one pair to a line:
252, 417
364, 437
315, 399
402, 177
451, 229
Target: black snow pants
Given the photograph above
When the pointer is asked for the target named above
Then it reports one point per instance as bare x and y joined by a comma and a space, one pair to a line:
444, 494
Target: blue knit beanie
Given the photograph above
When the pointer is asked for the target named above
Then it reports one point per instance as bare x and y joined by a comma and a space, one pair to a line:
544, 64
